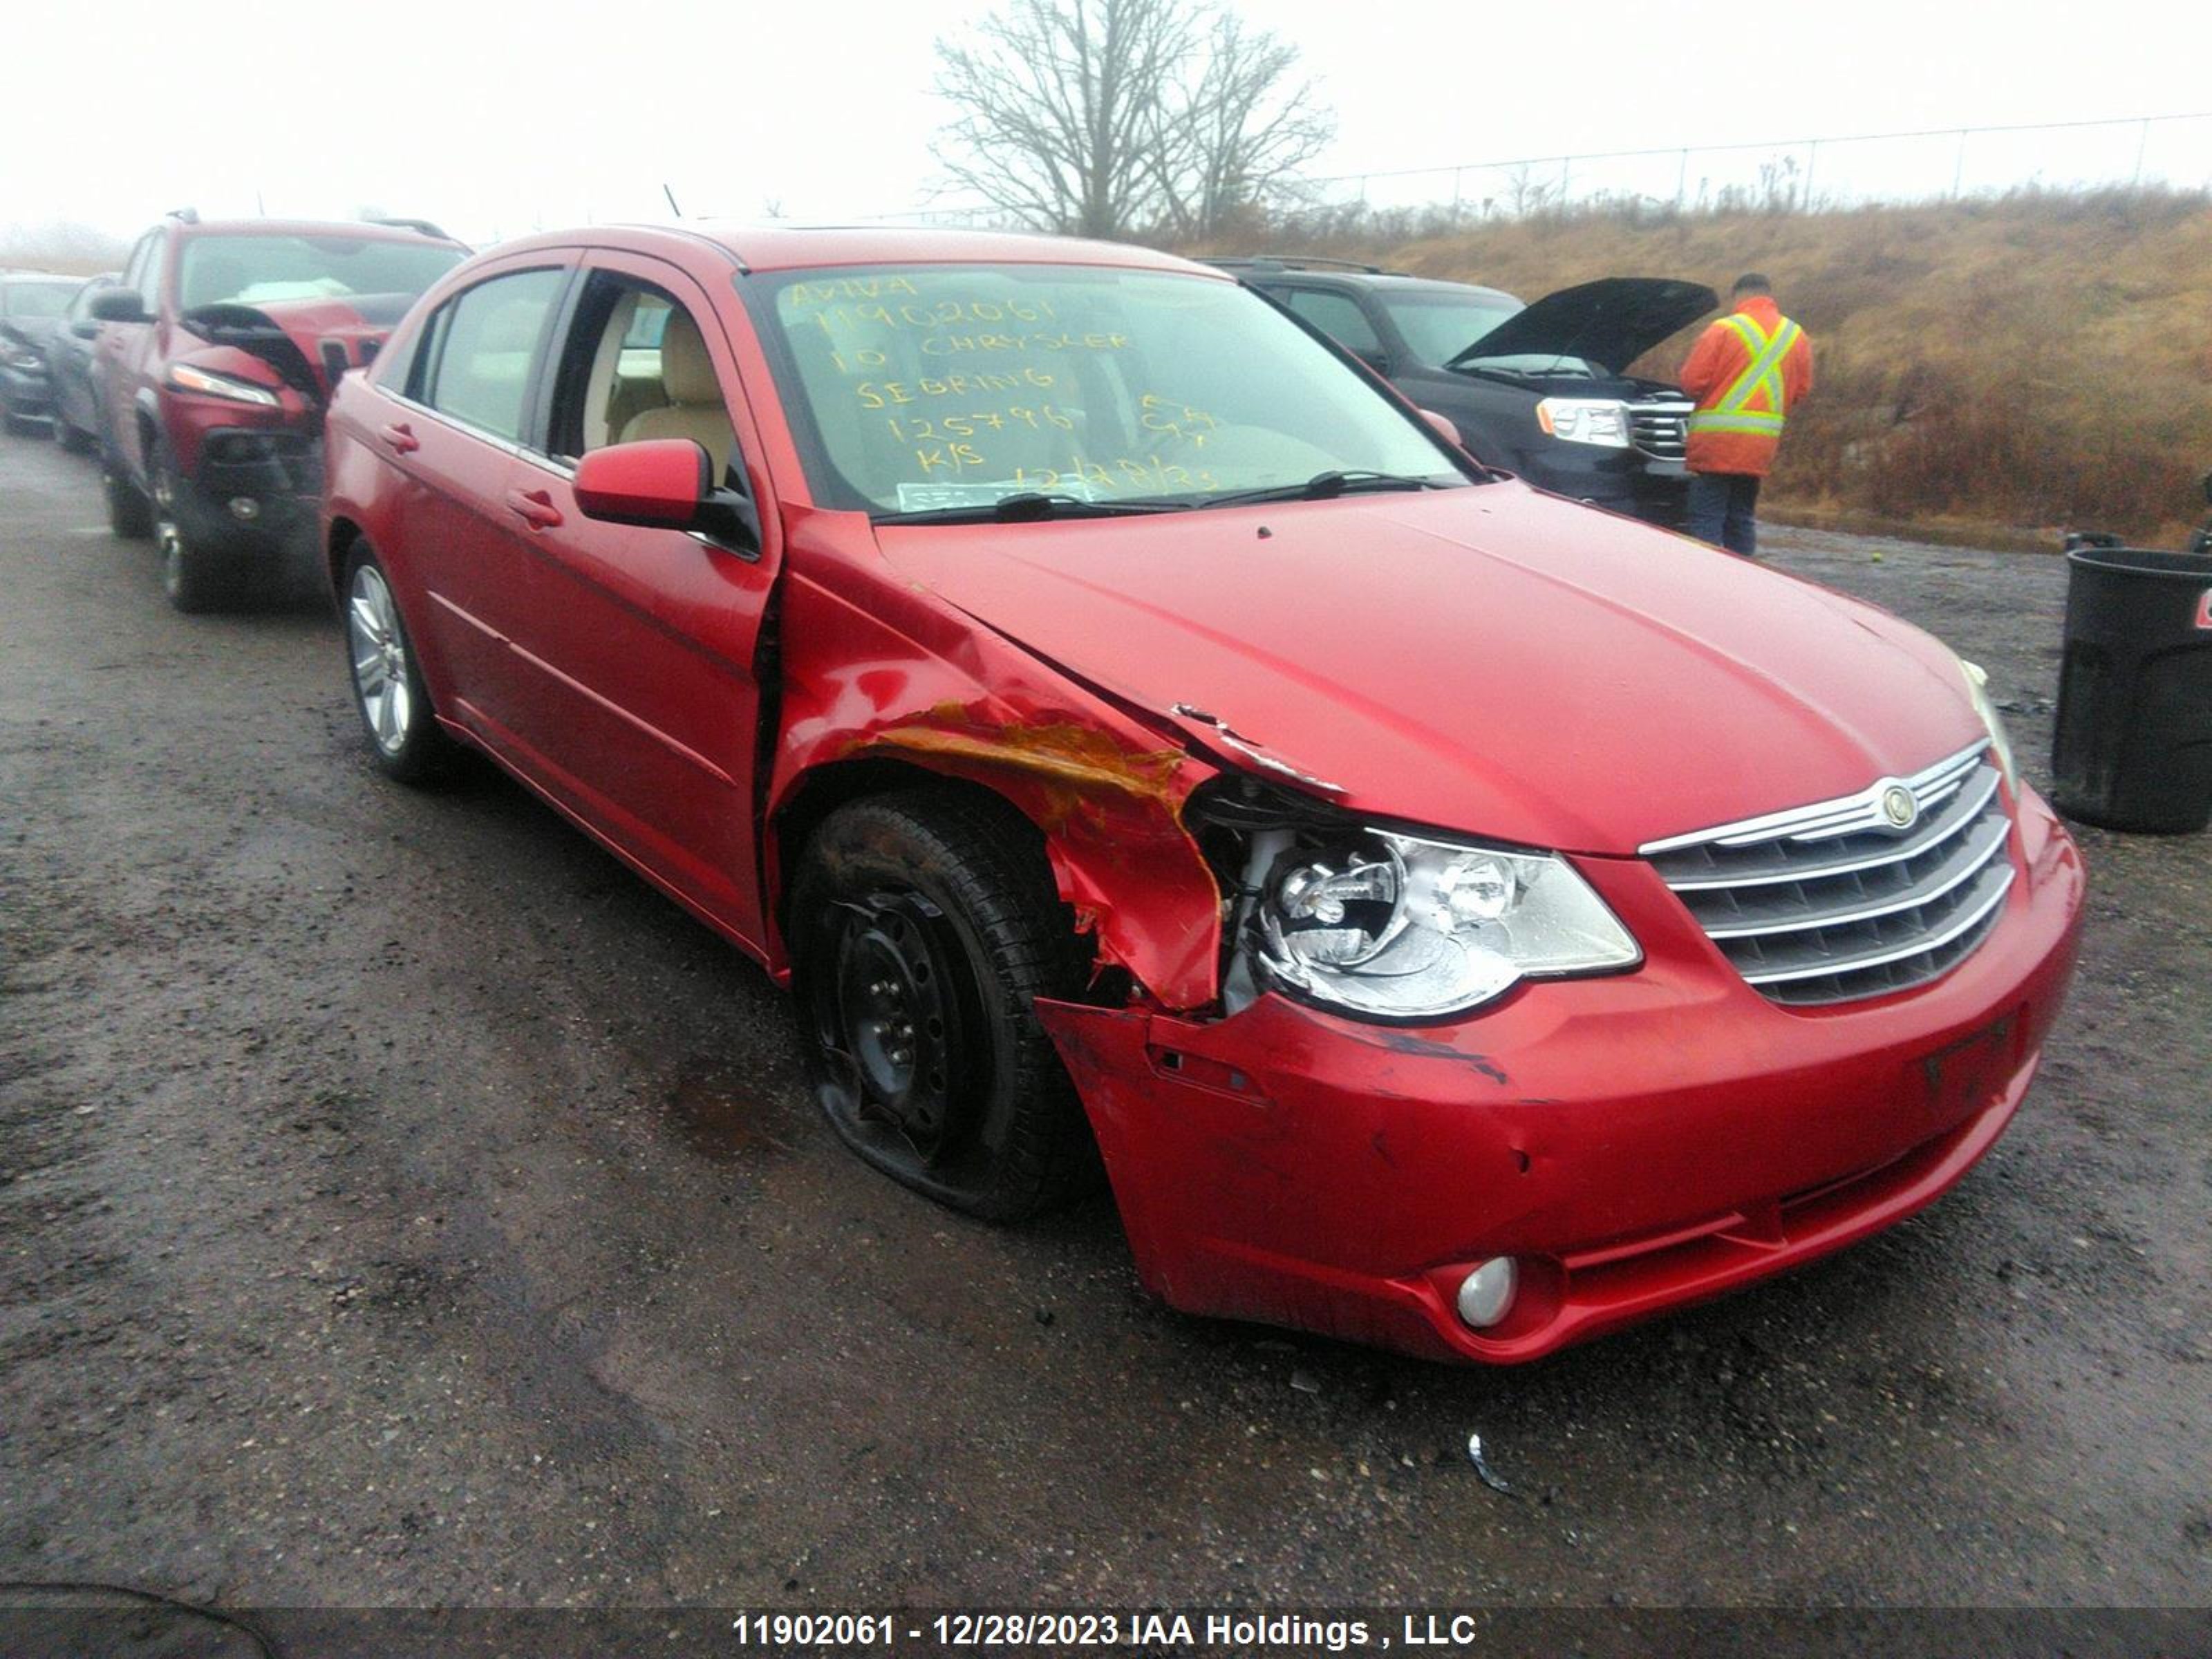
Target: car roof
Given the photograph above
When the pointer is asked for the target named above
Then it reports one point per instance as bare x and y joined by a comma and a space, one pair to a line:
1386, 281
792, 247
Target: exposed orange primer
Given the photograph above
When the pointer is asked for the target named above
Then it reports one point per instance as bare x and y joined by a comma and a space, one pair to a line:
1061, 749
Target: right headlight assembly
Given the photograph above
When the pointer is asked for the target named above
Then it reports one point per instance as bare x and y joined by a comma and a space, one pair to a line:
1386, 925
1600, 420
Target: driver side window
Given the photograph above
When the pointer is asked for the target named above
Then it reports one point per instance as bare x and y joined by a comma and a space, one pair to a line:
636, 366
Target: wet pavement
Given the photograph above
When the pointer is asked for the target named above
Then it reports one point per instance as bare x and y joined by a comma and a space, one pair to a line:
400, 1203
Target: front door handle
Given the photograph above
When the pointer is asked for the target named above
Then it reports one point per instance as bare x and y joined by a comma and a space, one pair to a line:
401, 438
535, 508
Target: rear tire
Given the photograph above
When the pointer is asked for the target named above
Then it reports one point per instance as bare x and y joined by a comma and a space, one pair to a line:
404, 737
924, 926
129, 514
196, 577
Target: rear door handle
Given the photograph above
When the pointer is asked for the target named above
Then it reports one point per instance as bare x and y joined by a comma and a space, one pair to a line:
535, 508
400, 438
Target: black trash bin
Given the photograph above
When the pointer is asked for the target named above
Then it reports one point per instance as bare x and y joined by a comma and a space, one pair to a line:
2133, 749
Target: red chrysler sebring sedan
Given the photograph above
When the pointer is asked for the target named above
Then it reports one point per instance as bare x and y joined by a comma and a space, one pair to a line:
1456, 919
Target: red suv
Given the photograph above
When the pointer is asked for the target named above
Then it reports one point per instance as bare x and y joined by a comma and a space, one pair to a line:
1459, 919
217, 352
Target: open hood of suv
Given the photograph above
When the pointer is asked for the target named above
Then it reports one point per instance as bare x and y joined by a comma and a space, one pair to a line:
1490, 660
1611, 322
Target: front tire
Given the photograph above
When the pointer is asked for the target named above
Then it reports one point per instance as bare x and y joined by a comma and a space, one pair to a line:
129, 514
404, 737
65, 436
925, 925
195, 576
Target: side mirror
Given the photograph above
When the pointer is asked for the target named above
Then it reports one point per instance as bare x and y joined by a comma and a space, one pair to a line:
119, 305
1375, 359
1444, 427
664, 484
84, 328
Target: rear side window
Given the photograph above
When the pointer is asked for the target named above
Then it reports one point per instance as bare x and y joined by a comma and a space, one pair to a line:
1337, 316
479, 349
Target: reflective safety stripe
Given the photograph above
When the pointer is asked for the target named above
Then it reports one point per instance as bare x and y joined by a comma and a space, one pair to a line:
1710, 420
1761, 373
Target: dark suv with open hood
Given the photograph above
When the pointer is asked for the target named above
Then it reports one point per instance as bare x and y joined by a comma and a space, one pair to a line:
219, 351
1541, 390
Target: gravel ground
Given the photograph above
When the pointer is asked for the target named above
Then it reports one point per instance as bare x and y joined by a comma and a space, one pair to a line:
400, 1205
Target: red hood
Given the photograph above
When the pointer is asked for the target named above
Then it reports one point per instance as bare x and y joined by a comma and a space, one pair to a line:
1489, 660
298, 337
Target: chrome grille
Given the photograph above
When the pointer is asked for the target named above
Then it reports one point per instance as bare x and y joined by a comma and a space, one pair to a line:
1832, 902
1660, 427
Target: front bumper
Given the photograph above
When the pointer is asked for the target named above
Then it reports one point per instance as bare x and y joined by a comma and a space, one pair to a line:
280, 473
1637, 1143
1627, 481
25, 392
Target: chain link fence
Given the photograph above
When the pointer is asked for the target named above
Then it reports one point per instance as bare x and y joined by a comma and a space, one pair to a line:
1804, 174
2172, 152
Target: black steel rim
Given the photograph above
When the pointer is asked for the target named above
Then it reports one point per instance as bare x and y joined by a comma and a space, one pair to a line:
888, 1017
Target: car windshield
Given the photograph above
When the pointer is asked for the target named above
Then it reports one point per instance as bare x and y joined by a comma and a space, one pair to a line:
37, 299
947, 389
1439, 326
252, 269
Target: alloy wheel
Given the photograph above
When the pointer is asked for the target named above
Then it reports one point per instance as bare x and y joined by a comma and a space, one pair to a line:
167, 537
380, 659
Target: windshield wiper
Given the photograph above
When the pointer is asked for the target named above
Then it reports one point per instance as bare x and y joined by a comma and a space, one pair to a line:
1028, 507
1324, 486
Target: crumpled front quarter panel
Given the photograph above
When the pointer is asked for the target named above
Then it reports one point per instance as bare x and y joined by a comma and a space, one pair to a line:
877, 668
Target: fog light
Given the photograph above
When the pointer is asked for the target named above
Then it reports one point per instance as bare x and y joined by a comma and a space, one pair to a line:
245, 509
1485, 1295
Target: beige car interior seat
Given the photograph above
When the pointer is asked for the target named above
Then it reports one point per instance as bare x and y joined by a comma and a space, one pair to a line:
695, 409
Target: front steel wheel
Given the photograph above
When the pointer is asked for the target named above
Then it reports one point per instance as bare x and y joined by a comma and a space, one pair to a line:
394, 704
890, 1013
924, 926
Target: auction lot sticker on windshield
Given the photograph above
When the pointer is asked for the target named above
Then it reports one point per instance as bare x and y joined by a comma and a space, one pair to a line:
937, 497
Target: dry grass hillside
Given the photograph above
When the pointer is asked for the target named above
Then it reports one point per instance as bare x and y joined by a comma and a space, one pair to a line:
2023, 364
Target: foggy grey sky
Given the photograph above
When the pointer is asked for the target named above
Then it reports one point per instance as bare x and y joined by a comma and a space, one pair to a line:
492, 118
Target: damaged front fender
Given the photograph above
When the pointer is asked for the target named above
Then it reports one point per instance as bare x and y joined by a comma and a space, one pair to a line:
875, 671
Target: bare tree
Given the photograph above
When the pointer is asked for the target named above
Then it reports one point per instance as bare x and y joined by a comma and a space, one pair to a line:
1061, 101
1103, 117
1237, 129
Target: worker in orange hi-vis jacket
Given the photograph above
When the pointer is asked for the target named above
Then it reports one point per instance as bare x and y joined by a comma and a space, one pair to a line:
1747, 372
